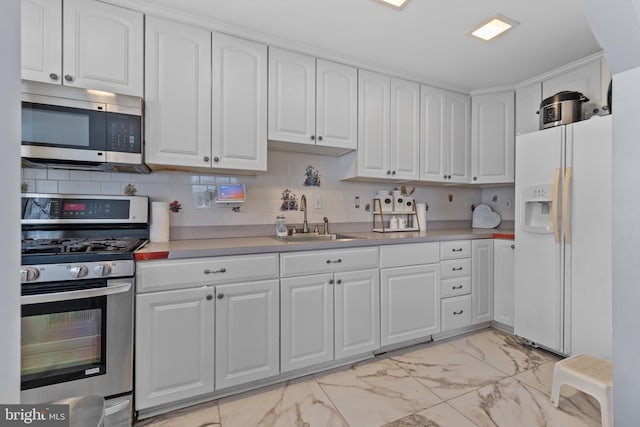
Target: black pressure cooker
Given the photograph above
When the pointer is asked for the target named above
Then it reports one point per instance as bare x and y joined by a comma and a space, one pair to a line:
562, 108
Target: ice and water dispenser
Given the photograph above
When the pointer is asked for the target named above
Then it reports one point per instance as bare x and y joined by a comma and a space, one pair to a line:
536, 209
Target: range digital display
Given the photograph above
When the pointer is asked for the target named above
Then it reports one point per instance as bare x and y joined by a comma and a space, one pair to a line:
74, 207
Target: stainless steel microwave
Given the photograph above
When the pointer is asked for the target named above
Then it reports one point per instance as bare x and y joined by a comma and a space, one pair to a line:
70, 128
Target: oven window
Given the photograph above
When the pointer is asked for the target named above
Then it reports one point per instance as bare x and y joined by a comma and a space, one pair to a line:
63, 341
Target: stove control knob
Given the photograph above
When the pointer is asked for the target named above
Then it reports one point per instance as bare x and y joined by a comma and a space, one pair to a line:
102, 270
78, 271
29, 274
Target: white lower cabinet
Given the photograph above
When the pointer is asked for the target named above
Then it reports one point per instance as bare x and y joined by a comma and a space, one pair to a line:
409, 292
503, 281
174, 346
329, 306
482, 280
246, 332
456, 312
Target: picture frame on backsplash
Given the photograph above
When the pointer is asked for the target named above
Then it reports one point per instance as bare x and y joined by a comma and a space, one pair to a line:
289, 200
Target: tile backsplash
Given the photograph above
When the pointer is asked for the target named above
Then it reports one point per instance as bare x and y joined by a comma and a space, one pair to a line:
286, 170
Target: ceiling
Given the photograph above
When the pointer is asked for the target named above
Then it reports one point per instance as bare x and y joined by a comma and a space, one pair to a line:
426, 41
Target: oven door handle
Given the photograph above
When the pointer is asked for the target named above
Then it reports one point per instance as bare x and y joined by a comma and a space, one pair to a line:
111, 289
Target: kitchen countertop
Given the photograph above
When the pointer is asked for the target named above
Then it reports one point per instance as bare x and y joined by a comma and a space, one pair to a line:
197, 248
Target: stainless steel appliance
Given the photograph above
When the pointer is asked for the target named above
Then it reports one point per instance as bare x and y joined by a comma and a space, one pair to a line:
70, 128
77, 280
561, 109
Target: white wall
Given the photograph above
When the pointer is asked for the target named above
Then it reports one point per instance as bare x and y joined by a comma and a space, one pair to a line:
285, 170
9, 194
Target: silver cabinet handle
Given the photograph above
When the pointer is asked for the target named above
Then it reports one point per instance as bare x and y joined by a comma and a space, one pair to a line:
513, 246
220, 296
455, 313
222, 270
206, 159
320, 138
393, 172
209, 297
457, 287
456, 250
313, 137
216, 159
456, 269
339, 281
331, 281
68, 77
339, 260
388, 172
53, 76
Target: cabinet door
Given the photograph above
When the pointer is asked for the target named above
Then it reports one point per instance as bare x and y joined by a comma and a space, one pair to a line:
586, 79
373, 125
336, 105
174, 346
503, 281
482, 280
177, 94
528, 99
42, 40
292, 97
493, 138
357, 313
103, 47
409, 303
247, 332
433, 143
239, 139
458, 137
306, 321
405, 129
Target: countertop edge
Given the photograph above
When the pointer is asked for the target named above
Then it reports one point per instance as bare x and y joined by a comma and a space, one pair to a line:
202, 248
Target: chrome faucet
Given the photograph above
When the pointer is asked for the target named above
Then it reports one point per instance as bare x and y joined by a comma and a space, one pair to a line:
326, 225
303, 207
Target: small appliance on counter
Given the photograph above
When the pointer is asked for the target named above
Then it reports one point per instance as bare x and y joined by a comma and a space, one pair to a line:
560, 109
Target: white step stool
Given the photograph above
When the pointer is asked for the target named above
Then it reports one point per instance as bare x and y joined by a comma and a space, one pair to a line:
589, 374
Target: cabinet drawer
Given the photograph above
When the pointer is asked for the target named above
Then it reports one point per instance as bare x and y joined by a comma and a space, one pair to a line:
456, 312
455, 249
313, 262
455, 268
175, 274
454, 287
409, 254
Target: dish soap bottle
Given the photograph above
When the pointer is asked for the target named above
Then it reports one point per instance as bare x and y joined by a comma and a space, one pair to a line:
281, 227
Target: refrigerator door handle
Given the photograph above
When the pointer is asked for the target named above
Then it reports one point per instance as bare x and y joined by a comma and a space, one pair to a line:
554, 205
568, 175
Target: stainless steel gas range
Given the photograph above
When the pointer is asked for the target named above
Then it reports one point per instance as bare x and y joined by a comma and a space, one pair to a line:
77, 282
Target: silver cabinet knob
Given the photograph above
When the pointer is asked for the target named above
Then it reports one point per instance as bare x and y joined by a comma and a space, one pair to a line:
339, 281
331, 281
68, 77
388, 172
216, 159
53, 76
513, 246
320, 138
209, 297
393, 173
475, 178
206, 158
78, 271
313, 137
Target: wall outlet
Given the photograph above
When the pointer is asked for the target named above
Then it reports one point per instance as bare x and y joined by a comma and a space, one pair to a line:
317, 202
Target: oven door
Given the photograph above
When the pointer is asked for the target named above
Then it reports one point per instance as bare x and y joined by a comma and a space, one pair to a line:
77, 342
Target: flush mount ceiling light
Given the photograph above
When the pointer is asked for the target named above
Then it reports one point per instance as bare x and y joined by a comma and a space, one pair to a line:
493, 27
396, 4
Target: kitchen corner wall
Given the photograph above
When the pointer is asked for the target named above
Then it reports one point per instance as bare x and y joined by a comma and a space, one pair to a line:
286, 170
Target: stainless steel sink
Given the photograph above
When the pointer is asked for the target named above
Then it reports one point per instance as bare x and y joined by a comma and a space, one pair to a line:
315, 237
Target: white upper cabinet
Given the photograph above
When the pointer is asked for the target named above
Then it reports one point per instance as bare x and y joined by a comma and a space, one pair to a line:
388, 129
177, 94
444, 135
493, 138
586, 79
405, 129
239, 138
528, 99
42, 40
314, 104
336, 105
99, 47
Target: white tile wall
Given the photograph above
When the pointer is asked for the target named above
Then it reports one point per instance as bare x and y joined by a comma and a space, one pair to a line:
286, 170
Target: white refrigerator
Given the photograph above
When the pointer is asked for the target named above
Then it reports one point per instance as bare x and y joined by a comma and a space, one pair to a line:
563, 238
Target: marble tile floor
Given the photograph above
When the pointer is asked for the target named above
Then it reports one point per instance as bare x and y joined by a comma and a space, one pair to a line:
486, 378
